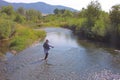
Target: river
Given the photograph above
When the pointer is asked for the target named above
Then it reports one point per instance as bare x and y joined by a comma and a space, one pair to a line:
70, 59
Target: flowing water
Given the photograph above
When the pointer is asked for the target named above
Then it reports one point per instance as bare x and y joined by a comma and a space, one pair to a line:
70, 59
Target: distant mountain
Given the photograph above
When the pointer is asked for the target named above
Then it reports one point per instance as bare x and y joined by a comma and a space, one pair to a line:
41, 6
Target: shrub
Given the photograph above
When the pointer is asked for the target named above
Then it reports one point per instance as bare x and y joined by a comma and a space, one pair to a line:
6, 29
24, 37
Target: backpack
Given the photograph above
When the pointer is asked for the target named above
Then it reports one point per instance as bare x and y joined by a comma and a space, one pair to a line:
46, 46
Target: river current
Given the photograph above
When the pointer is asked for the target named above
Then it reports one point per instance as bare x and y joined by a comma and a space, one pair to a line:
70, 59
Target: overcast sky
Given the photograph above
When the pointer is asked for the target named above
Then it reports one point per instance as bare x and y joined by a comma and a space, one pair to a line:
76, 4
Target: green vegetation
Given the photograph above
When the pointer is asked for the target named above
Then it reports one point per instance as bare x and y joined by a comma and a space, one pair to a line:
6, 29
115, 24
24, 37
91, 23
13, 27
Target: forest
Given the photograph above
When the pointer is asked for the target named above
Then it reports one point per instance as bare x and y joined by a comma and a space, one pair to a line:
92, 23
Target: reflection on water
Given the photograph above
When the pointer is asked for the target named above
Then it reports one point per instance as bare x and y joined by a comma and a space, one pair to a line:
70, 59
88, 54
62, 38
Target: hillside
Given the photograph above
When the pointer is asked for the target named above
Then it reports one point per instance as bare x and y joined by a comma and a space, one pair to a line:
41, 6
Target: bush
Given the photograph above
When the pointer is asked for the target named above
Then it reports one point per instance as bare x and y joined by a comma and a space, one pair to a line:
6, 29
24, 37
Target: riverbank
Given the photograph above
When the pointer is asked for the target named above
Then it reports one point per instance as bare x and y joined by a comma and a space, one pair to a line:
23, 38
68, 60
91, 38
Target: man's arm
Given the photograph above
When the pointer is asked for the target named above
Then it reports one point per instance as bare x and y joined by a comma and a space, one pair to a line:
51, 46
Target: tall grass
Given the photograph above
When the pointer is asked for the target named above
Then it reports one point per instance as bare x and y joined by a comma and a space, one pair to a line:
24, 37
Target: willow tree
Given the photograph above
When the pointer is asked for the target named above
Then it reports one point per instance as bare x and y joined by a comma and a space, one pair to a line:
8, 10
33, 15
115, 17
92, 14
115, 23
21, 11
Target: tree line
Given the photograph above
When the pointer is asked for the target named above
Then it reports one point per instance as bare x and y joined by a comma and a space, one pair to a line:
92, 22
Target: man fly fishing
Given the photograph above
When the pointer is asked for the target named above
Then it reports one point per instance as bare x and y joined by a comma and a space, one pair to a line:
46, 47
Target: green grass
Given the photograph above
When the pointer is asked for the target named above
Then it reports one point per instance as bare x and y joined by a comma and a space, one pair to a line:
25, 37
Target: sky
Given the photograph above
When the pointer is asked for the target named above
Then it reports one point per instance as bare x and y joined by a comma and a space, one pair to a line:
76, 4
